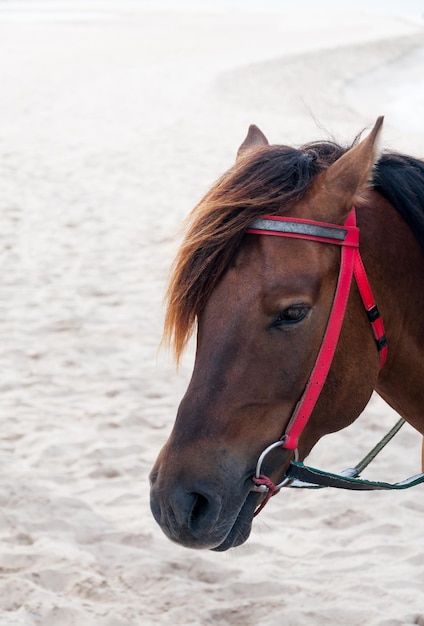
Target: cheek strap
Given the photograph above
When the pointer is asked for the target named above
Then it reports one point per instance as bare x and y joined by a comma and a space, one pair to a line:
347, 237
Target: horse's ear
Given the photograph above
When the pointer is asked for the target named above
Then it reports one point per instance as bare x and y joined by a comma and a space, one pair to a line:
352, 173
254, 139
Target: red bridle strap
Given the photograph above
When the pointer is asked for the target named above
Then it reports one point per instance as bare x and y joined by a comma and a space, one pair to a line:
347, 236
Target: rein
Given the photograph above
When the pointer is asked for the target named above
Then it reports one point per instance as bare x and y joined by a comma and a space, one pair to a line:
351, 266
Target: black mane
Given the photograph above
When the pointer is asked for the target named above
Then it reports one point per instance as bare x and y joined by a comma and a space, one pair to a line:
400, 179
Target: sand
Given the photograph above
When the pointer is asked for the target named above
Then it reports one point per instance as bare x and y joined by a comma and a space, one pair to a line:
115, 119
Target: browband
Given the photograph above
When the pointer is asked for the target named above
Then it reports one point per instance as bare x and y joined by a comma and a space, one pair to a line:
305, 229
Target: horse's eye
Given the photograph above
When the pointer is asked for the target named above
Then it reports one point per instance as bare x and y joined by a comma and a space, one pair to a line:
291, 315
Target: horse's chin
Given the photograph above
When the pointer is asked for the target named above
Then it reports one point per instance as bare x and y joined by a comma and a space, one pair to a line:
242, 526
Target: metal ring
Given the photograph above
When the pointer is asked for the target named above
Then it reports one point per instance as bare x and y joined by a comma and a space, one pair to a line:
264, 488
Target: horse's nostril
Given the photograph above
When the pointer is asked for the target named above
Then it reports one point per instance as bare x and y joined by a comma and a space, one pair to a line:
199, 511
187, 513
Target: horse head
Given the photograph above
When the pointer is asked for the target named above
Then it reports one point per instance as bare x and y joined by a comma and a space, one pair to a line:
261, 307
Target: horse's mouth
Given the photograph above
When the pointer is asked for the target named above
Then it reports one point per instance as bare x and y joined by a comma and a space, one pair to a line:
240, 531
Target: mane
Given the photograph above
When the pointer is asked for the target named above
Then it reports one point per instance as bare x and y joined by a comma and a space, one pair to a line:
266, 182
400, 179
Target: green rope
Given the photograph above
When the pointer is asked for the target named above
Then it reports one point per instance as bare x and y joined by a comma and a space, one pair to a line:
311, 478
378, 448
305, 477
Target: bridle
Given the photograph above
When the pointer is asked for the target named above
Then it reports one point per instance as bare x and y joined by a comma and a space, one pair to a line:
351, 266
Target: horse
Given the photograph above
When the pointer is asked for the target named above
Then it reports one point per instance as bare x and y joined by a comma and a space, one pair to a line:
258, 277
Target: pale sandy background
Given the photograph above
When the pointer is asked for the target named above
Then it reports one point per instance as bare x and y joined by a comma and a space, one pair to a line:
114, 120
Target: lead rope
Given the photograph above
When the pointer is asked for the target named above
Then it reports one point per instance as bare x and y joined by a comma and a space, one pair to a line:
304, 477
301, 476
354, 472
359, 468
298, 473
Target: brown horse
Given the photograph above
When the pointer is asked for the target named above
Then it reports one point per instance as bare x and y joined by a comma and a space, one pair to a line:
261, 305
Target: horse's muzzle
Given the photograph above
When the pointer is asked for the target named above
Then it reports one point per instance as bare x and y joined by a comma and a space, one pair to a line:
201, 514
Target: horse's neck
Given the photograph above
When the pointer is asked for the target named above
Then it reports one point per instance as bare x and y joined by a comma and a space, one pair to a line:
395, 262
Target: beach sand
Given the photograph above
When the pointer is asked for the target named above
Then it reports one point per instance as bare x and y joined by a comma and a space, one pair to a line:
115, 120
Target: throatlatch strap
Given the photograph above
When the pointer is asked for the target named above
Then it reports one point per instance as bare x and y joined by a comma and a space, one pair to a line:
371, 308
